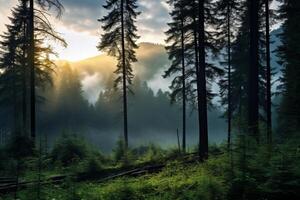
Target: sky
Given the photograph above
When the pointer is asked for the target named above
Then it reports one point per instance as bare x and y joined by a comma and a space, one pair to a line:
80, 28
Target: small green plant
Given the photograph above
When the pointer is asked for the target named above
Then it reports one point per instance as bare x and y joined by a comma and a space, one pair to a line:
122, 155
92, 166
151, 153
70, 149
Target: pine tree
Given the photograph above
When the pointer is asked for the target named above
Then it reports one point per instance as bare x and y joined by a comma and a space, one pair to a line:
119, 40
198, 42
15, 54
268, 73
253, 85
181, 59
288, 53
203, 29
229, 15
201, 79
240, 66
38, 17
13, 62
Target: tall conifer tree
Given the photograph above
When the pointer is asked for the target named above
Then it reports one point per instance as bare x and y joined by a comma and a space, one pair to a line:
253, 84
31, 30
119, 40
289, 53
202, 30
229, 15
16, 54
268, 73
181, 57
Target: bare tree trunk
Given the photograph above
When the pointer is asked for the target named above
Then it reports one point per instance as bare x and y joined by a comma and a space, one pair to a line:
39, 170
183, 86
197, 72
268, 82
202, 83
15, 105
24, 81
32, 72
124, 77
253, 99
229, 112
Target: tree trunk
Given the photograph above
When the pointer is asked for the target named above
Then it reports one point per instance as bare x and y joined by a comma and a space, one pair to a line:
202, 83
268, 82
253, 99
197, 72
16, 127
32, 71
24, 80
183, 86
39, 170
229, 112
124, 77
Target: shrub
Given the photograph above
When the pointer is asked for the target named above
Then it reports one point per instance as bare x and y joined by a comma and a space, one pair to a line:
92, 166
151, 153
70, 149
122, 155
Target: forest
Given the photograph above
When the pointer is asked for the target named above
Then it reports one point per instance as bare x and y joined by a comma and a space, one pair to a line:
154, 100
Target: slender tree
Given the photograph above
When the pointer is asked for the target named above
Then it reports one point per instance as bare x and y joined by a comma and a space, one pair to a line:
32, 70
10, 64
268, 74
253, 85
240, 63
180, 56
206, 72
32, 18
229, 117
201, 78
229, 15
289, 52
200, 43
119, 40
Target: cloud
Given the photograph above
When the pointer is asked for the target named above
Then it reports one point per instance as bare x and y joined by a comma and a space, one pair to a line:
82, 16
5, 10
91, 85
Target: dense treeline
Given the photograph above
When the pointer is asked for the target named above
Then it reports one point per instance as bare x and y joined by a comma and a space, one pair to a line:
66, 106
240, 32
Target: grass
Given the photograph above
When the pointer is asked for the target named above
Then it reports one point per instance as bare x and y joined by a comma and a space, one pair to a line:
177, 181
251, 173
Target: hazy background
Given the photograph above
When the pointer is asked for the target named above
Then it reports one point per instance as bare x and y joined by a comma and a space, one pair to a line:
82, 101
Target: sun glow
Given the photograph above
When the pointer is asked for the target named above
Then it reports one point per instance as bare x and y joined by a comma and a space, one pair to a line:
81, 45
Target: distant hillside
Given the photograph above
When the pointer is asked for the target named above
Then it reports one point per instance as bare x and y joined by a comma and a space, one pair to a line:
151, 58
152, 61
97, 72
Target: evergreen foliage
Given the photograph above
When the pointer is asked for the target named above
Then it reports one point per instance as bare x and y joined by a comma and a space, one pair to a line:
202, 35
15, 65
119, 40
288, 53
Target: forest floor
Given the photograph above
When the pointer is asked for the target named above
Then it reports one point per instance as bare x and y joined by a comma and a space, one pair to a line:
176, 180
153, 174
